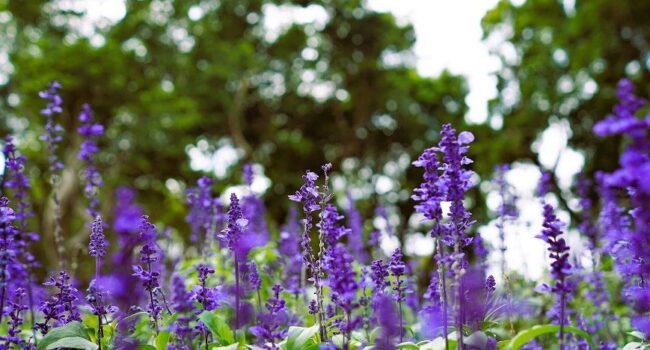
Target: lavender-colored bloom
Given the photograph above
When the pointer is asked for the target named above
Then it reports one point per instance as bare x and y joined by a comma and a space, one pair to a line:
379, 276
355, 237
330, 232
269, 328
344, 287
342, 279
310, 198
98, 244
18, 182
247, 174
233, 232
490, 284
289, 247
149, 254
96, 296
623, 120
89, 132
208, 297
202, 213
14, 311
183, 306
8, 252
60, 308
256, 232
386, 315
545, 184
254, 277
126, 223
53, 130
397, 270
627, 230
560, 266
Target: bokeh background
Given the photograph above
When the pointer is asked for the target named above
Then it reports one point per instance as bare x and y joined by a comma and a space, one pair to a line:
191, 88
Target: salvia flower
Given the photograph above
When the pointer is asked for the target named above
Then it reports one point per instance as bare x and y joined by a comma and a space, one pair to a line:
183, 306
344, 287
61, 307
89, 132
355, 237
397, 269
379, 274
269, 329
149, 254
490, 284
98, 243
560, 266
545, 184
208, 297
9, 252
53, 130
386, 315
626, 195
202, 207
14, 310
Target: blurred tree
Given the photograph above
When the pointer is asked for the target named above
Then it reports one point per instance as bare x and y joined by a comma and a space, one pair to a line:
172, 74
561, 60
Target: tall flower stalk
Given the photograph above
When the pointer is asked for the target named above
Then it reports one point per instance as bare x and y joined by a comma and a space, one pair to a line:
397, 270
312, 200
7, 249
232, 235
560, 266
447, 181
19, 183
149, 255
52, 137
97, 249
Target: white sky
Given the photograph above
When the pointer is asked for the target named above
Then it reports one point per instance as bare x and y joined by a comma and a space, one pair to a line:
448, 34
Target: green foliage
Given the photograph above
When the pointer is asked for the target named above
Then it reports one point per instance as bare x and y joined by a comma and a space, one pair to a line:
218, 326
527, 335
72, 335
300, 338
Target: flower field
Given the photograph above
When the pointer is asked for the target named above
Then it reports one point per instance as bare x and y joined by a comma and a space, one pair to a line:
322, 279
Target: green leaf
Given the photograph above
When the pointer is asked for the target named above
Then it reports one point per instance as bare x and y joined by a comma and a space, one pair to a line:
71, 330
299, 336
162, 339
634, 346
408, 346
527, 335
637, 334
227, 347
72, 343
218, 327
146, 347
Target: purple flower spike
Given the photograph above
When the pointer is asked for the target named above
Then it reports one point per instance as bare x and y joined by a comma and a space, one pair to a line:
270, 329
89, 132
60, 308
560, 266
53, 130
386, 316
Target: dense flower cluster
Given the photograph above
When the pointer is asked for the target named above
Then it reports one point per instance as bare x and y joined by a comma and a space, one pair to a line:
240, 280
625, 214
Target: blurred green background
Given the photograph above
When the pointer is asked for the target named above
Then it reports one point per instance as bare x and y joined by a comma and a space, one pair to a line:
187, 88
